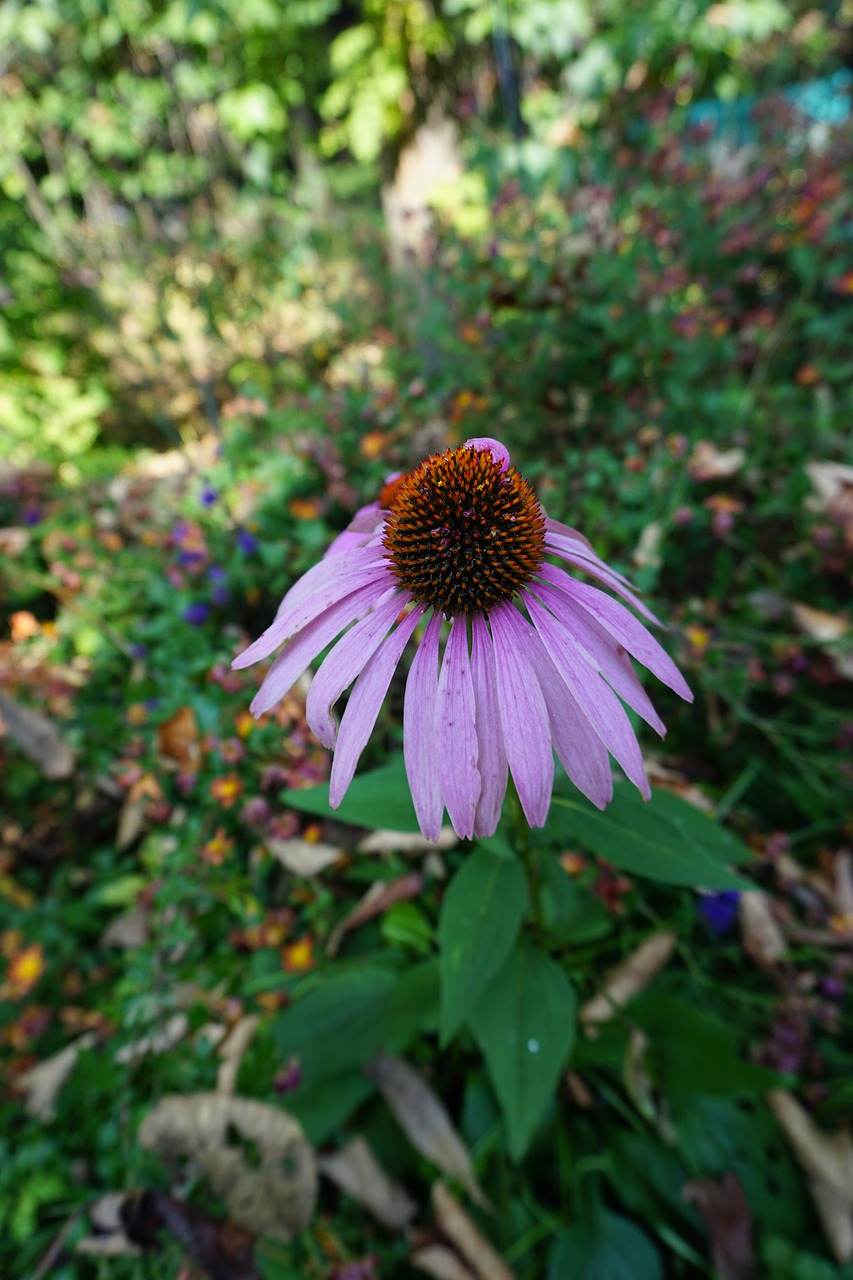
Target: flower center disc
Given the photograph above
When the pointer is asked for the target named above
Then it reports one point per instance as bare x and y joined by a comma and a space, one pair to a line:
462, 535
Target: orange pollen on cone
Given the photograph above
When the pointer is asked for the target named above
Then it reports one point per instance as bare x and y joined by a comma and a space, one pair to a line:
462, 535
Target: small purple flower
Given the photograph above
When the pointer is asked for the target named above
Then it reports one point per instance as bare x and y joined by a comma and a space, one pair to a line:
217, 575
196, 613
535, 662
31, 514
208, 496
247, 542
138, 650
255, 812
289, 1078
719, 910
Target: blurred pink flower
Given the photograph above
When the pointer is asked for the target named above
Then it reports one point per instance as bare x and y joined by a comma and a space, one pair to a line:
463, 539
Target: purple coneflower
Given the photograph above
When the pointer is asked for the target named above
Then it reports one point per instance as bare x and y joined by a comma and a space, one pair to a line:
534, 661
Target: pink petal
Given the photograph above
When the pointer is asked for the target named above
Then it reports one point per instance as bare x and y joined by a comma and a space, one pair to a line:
344, 662
364, 704
524, 716
366, 524
598, 569
599, 704
420, 743
322, 586
491, 760
303, 649
602, 652
581, 752
457, 734
575, 542
486, 444
625, 628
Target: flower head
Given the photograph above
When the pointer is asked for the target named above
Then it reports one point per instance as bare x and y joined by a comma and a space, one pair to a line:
535, 662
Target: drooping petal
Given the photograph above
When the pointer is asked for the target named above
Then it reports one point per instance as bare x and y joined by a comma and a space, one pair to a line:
457, 734
602, 652
322, 586
491, 760
420, 744
579, 749
311, 640
624, 628
524, 716
343, 663
575, 542
598, 569
487, 444
598, 702
366, 524
364, 703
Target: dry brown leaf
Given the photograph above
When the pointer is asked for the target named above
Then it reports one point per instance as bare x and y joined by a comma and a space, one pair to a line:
439, 1261
707, 462
42, 1083
828, 1161
277, 1196
404, 842
760, 933
357, 1172
425, 1122
471, 1243
159, 1041
725, 1208
661, 775
827, 630
843, 897
223, 1250
627, 980
178, 739
304, 857
131, 822
379, 897
37, 737
833, 484
646, 554
14, 541
128, 930
231, 1051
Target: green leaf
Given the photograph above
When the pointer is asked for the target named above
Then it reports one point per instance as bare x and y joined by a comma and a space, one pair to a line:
324, 1107
570, 912
603, 1246
648, 840
525, 1027
376, 800
413, 1007
338, 1025
480, 918
692, 1052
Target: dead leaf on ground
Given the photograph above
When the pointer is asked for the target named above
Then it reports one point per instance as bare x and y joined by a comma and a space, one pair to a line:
160, 1041
274, 1195
843, 896
178, 739
439, 1261
829, 631
661, 775
725, 1208
646, 554
425, 1122
109, 1238
38, 738
827, 1159
471, 1243
231, 1050
356, 1171
379, 897
627, 980
304, 857
707, 462
386, 841
833, 485
42, 1083
14, 540
128, 930
760, 933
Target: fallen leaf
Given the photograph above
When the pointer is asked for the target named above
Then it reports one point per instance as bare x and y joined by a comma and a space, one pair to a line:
826, 629
14, 541
762, 937
833, 485
471, 1243
707, 462
425, 1122
384, 841
37, 737
274, 1194
725, 1208
42, 1083
356, 1171
439, 1261
128, 930
231, 1050
843, 896
159, 1041
627, 980
304, 857
110, 1238
178, 739
225, 1250
379, 897
131, 822
646, 554
828, 1161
